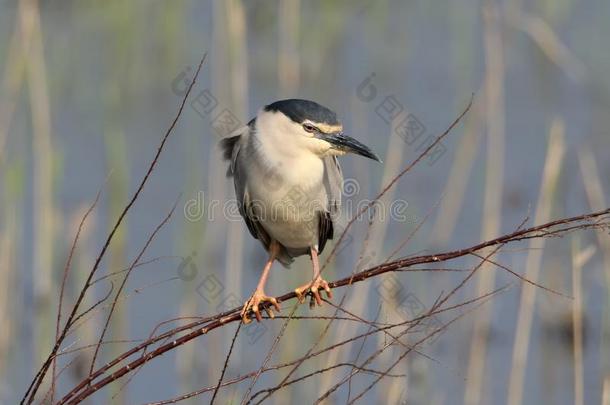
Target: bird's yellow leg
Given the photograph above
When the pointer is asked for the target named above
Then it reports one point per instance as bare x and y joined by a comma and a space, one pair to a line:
316, 284
259, 295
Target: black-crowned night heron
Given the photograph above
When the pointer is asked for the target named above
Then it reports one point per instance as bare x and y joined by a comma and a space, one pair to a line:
288, 185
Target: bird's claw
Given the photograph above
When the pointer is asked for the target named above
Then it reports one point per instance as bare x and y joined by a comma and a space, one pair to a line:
253, 305
315, 286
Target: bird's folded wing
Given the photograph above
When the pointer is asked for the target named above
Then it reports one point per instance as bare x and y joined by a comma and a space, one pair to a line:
333, 184
246, 208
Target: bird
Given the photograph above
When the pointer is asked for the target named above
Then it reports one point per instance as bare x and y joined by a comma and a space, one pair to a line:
288, 186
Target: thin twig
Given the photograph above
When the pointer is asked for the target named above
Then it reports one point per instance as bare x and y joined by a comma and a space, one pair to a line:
524, 279
224, 368
433, 333
396, 178
327, 349
30, 393
276, 342
63, 283
126, 277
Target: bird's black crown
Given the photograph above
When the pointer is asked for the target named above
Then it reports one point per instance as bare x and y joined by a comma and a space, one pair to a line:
300, 110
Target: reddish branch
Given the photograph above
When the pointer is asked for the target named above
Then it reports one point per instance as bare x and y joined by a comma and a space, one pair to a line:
596, 220
327, 349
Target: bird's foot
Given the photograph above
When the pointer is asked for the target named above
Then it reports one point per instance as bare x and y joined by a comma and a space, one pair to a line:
314, 286
252, 305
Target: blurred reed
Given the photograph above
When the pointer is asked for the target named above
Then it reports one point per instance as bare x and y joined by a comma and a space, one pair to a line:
289, 79
595, 194
11, 199
550, 44
374, 253
580, 257
460, 173
82, 261
238, 83
548, 188
360, 296
118, 193
7, 281
214, 240
493, 190
115, 93
43, 178
189, 240
288, 61
12, 79
462, 24
12, 185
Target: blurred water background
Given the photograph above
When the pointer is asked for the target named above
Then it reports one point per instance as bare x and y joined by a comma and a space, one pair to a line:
88, 89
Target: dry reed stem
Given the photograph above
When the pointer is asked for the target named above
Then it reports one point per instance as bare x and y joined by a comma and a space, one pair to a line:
580, 257
494, 182
595, 195
460, 173
37, 381
550, 177
14, 73
550, 44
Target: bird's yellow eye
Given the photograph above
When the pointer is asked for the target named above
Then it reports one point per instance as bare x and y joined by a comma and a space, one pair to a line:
309, 128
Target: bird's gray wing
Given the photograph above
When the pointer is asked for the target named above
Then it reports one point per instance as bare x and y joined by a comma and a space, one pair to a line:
333, 184
232, 147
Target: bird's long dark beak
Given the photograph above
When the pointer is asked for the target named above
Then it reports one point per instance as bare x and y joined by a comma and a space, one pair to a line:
347, 144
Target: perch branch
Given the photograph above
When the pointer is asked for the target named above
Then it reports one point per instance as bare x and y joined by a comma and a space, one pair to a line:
557, 228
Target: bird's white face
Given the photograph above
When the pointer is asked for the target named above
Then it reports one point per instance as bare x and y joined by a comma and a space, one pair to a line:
294, 139
291, 140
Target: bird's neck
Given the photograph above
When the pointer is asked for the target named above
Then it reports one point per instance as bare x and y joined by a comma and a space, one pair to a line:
279, 159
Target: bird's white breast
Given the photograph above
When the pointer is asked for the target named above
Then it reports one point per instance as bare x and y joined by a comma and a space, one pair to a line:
290, 195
